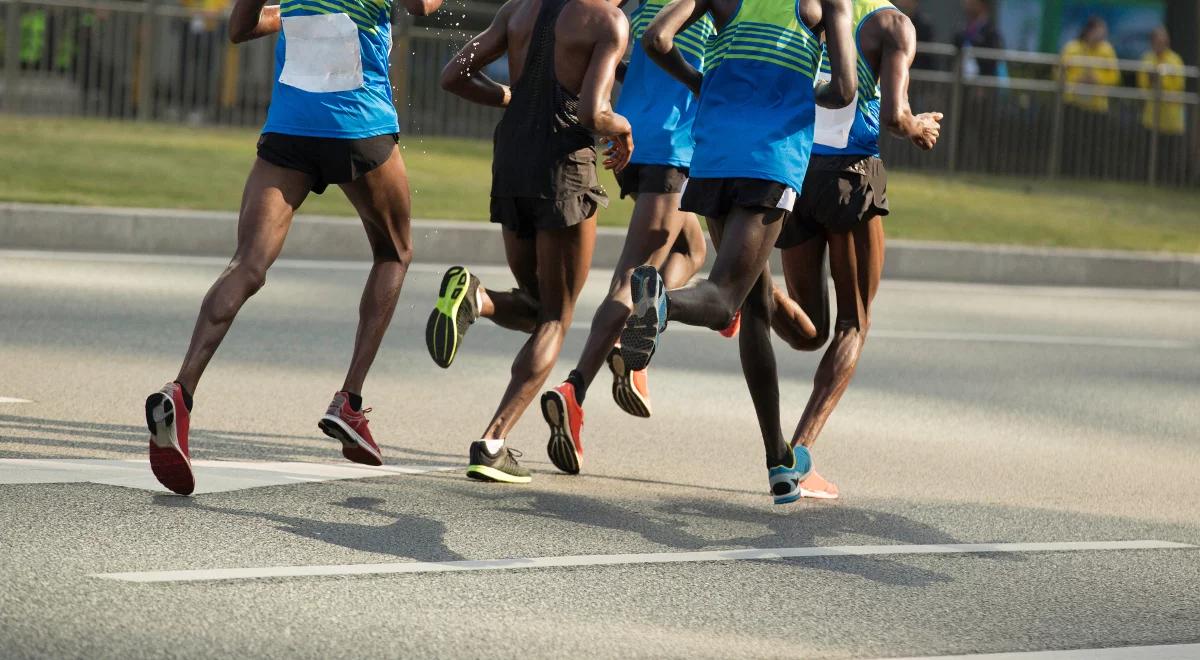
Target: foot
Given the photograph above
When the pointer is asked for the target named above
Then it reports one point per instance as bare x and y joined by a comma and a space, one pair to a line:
454, 313
735, 326
502, 466
349, 426
168, 420
630, 389
640, 337
785, 479
817, 487
565, 417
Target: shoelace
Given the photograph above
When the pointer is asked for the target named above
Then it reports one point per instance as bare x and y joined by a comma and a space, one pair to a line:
514, 453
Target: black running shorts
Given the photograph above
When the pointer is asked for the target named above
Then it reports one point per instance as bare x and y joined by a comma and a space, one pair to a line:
651, 179
528, 215
715, 198
839, 193
327, 160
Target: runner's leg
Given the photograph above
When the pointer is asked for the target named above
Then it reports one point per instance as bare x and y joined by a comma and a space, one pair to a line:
856, 263
747, 237
801, 316
760, 370
269, 201
687, 254
517, 309
382, 200
564, 257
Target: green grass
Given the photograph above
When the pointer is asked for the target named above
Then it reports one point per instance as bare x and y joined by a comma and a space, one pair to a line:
152, 165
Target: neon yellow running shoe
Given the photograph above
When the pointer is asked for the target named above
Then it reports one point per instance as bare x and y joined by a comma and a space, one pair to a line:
455, 311
501, 466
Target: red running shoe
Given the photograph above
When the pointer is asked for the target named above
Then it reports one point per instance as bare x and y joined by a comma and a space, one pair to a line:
630, 389
168, 420
349, 426
565, 417
735, 326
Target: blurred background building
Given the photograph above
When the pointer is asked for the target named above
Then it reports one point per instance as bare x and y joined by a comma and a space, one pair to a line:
1100, 89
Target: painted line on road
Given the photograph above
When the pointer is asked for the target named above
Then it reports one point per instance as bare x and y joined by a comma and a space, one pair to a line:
212, 574
1159, 652
9, 399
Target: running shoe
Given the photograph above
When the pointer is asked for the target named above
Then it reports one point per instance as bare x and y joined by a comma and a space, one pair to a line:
817, 487
565, 417
640, 337
502, 467
735, 326
168, 420
454, 313
630, 388
349, 426
785, 479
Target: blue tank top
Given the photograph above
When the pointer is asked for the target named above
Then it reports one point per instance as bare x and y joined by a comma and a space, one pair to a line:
864, 133
331, 70
757, 106
660, 108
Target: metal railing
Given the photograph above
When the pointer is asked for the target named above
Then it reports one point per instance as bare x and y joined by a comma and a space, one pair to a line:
1007, 112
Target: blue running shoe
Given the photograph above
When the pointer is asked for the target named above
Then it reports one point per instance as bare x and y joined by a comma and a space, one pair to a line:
639, 339
785, 480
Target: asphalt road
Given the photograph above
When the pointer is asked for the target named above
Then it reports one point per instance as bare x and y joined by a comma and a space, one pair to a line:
978, 415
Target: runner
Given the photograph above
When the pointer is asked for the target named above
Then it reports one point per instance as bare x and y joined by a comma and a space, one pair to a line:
841, 209
754, 132
661, 111
562, 57
331, 121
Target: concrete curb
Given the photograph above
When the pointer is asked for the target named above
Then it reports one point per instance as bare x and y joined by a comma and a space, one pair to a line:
51, 227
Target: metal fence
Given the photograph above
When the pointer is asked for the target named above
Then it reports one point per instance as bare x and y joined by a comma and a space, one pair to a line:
1006, 112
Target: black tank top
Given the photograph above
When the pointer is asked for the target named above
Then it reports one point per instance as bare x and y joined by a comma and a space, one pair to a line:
541, 151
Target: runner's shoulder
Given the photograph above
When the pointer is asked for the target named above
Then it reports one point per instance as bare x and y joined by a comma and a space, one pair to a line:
596, 20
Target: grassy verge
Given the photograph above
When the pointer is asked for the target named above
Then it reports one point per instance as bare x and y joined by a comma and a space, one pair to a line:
73, 161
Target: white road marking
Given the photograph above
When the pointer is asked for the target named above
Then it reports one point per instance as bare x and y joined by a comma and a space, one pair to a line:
211, 574
582, 324
211, 476
9, 399
1162, 652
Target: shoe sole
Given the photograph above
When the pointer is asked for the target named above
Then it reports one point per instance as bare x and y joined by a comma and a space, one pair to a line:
818, 494
561, 446
167, 461
639, 338
445, 329
354, 447
624, 393
485, 473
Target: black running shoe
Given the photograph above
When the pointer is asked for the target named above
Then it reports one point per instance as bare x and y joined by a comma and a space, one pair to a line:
452, 316
502, 467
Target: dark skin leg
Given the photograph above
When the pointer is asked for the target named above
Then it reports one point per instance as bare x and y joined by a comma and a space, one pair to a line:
382, 200
563, 258
654, 230
759, 368
517, 309
687, 254
269, 201
804, 326
746, 238
856, 263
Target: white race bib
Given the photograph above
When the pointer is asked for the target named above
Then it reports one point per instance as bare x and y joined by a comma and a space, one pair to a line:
833, 126
322, 53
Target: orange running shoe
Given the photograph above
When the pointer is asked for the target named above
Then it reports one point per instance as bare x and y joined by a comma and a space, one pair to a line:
735, 326
817, 487
631, 389
565, 417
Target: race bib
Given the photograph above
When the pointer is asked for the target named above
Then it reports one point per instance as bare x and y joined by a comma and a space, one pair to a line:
833, 126
322, 53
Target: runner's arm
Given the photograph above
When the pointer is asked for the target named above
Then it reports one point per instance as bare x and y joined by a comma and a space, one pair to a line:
843, 55
659, 40
595, 94
898, 47
249, 20
463, 74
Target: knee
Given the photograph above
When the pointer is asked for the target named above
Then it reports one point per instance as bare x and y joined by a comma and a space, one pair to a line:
251, 275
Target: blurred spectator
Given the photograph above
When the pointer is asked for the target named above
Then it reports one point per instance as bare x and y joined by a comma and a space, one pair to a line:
1092, 43
925, 33
200, 62
980, 32
1170, 119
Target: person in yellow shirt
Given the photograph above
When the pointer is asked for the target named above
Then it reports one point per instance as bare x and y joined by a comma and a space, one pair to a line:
1170, 65
1092, 43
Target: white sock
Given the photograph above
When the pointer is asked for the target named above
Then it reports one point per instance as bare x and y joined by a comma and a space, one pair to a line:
478, 300
493, 445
